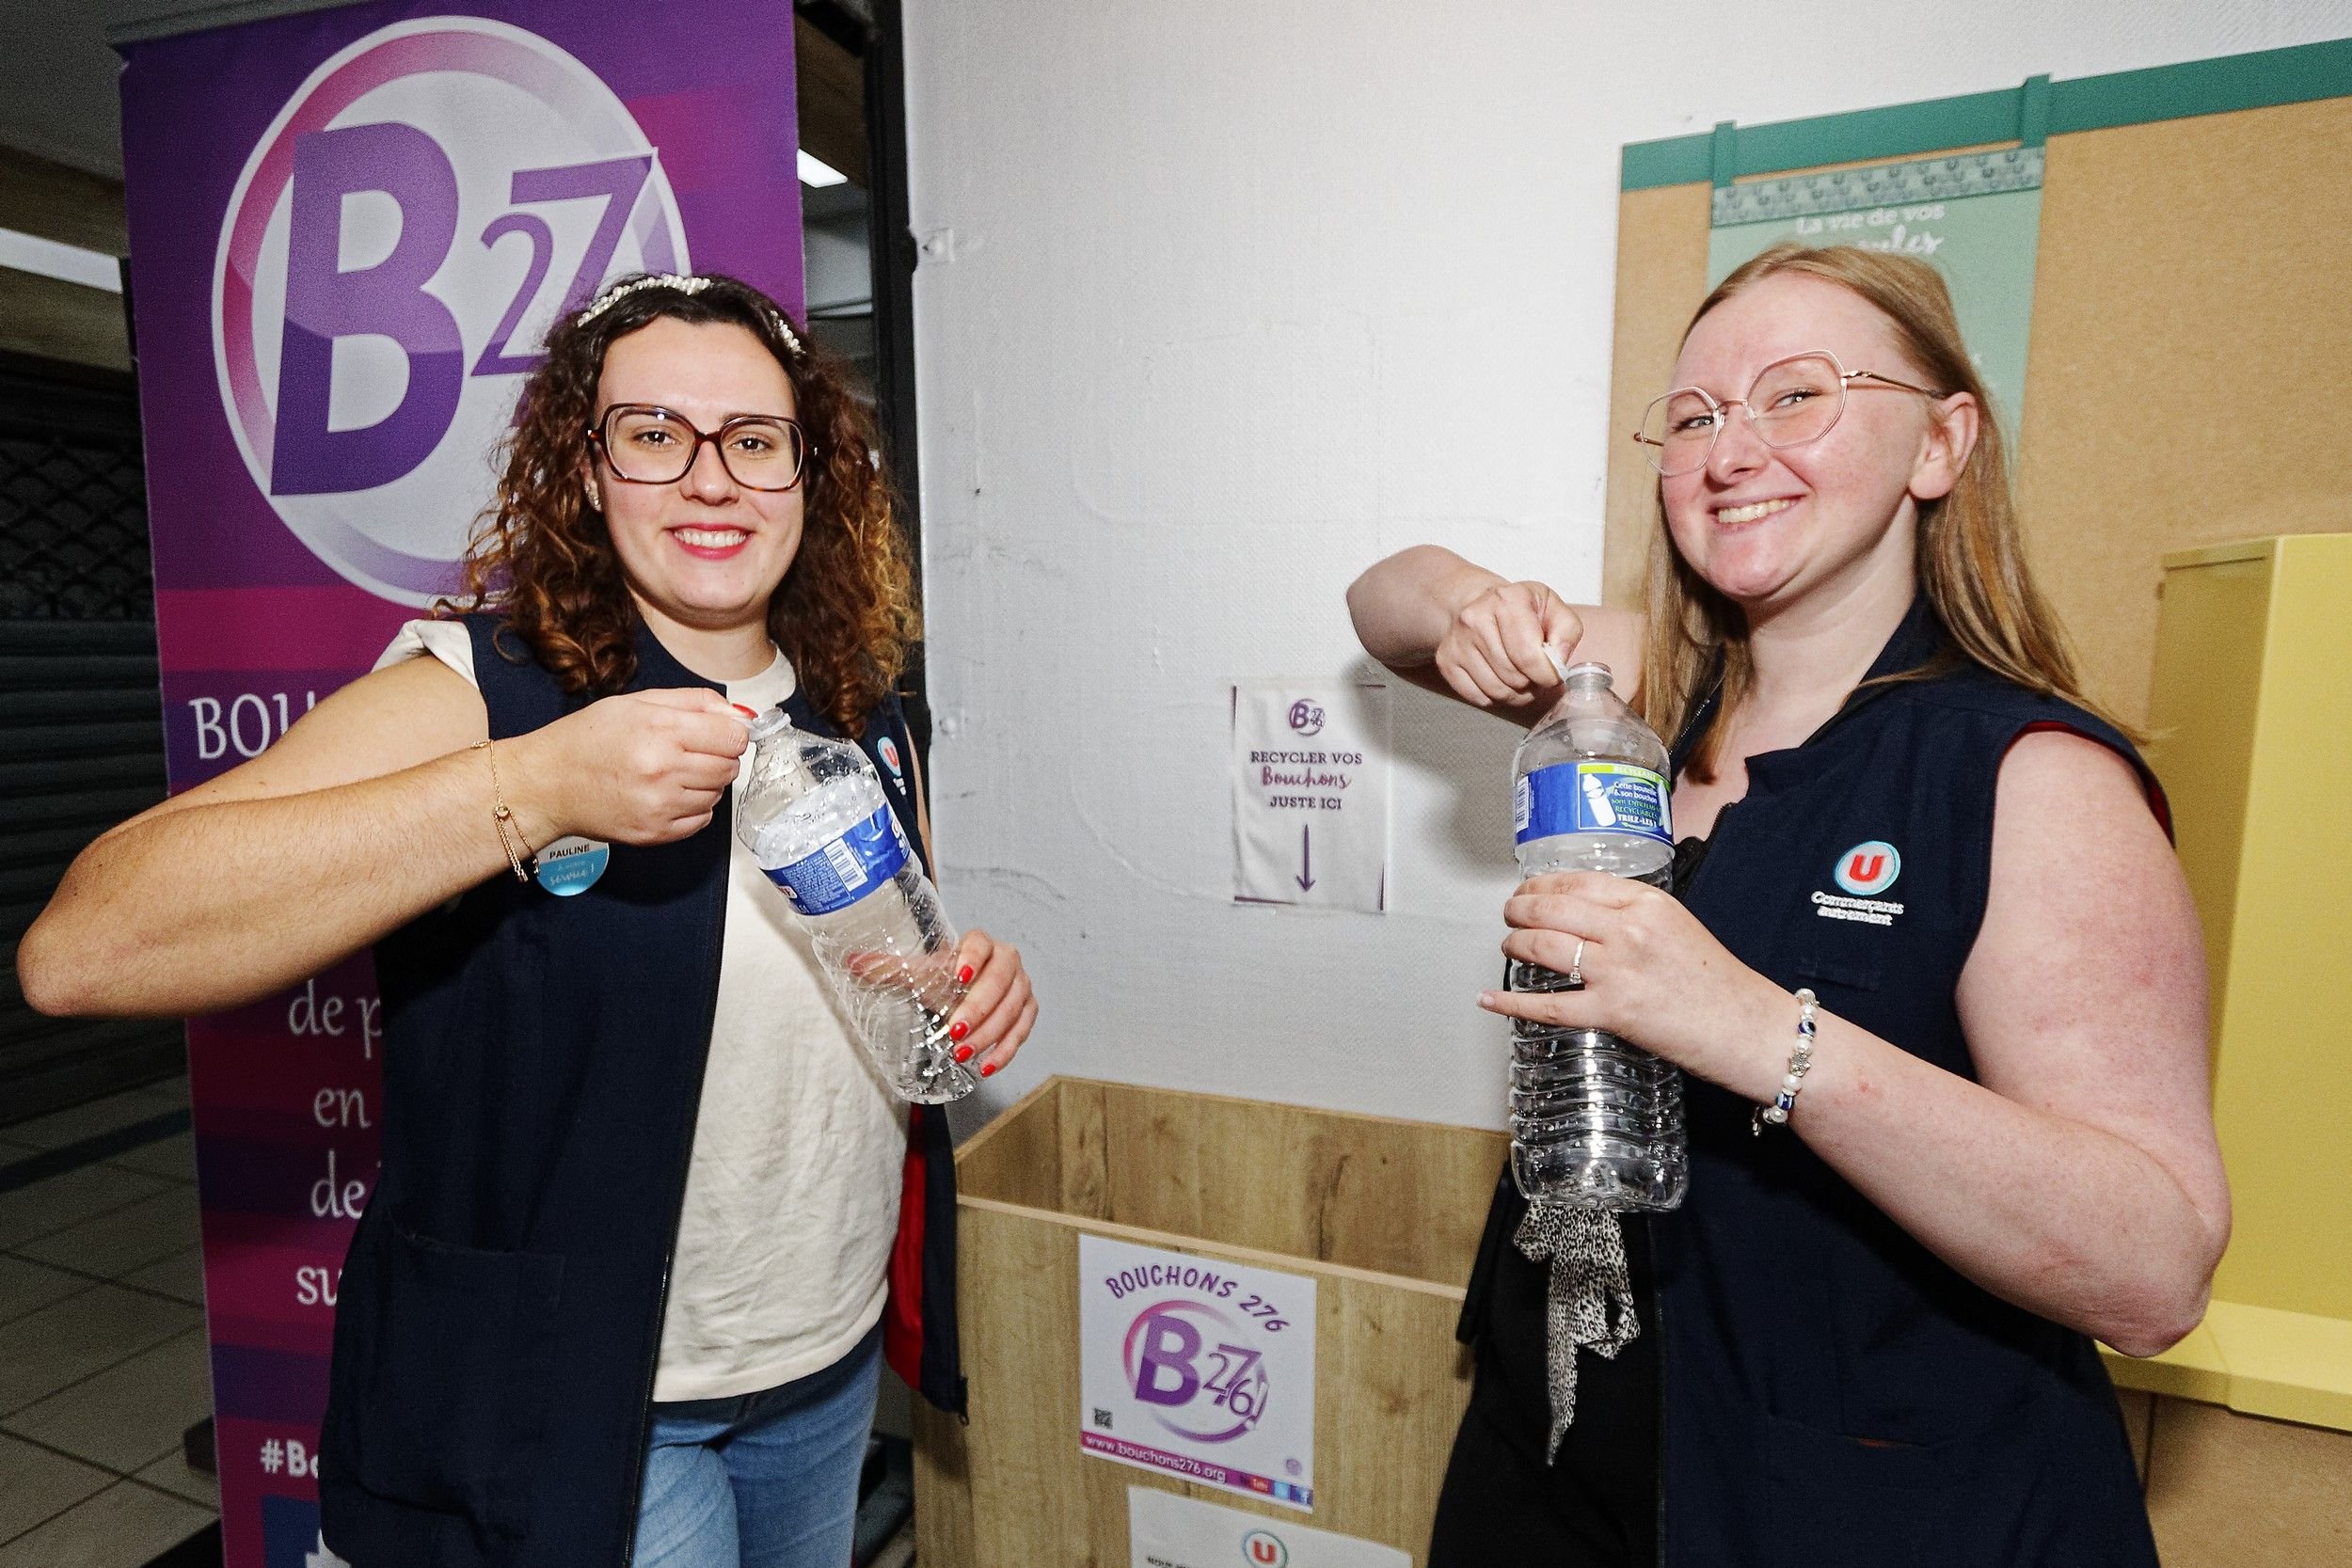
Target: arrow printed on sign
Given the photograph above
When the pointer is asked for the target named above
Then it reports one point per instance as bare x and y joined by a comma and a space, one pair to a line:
1306, 878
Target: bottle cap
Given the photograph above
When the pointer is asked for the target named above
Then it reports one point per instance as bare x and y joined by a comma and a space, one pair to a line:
774, 721
1591, 667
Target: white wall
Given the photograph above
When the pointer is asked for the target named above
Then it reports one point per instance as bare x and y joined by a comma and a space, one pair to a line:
1221, 303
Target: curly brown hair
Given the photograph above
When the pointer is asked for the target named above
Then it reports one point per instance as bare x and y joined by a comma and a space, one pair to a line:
543, 558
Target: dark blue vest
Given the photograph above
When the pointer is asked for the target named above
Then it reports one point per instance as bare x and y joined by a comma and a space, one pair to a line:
1834, 1393
500, 1317
1831, 1393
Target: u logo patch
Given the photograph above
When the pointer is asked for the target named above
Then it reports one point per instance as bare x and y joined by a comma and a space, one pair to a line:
1870, 868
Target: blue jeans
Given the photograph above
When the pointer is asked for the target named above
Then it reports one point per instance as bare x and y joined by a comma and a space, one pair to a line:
760, 1480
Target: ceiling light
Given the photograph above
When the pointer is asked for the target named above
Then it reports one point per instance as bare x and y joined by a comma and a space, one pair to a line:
817, 174
69, 263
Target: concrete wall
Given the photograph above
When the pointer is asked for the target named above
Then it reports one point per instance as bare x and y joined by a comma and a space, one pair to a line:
1221, 302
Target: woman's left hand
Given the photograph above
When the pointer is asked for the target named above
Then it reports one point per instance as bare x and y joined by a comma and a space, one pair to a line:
998, 1008
1652, 975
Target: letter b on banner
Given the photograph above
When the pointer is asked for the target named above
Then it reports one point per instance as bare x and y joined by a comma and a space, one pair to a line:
373, 315
323, 302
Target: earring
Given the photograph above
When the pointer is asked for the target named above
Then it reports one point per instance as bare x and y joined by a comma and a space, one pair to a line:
595, 497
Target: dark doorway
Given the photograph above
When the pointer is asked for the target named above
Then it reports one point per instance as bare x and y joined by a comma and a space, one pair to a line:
81, 720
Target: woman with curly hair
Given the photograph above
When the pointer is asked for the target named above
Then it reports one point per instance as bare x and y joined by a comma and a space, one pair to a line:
648, 1220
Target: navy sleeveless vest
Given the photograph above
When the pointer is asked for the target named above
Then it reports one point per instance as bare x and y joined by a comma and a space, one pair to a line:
1831, 1393
500, 1316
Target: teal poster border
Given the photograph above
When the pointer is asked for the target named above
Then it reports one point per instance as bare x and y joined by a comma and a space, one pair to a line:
2024, 115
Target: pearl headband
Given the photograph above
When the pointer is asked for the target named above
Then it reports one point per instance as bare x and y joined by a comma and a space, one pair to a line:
685, 285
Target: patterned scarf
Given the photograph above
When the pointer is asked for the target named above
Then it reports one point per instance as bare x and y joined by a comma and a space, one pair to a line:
1590, 1302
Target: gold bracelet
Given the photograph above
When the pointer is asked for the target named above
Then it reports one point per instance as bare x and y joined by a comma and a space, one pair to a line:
503, 817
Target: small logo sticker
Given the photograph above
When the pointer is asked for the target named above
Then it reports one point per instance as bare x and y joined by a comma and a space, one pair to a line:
888, 750
1264, 1549
1870, 868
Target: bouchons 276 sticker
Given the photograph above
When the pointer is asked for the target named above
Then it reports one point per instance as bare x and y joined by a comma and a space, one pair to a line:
1198, 1368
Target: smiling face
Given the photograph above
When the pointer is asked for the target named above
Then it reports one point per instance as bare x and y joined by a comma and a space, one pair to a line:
702, 551
1768, 527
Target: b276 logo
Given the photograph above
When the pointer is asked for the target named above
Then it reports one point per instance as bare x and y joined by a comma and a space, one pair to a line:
400, 240
1181, 1359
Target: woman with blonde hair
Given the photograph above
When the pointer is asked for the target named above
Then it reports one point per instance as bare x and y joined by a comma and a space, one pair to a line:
648, 1217
1930, 969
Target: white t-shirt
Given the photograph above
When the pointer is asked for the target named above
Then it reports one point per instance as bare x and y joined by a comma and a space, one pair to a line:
793, 1194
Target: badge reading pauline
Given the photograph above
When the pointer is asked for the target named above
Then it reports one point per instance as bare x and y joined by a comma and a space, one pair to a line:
571, 866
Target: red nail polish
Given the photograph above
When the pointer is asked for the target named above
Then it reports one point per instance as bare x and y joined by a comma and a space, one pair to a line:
963, 975
989, 1069
963, 1053
956, 1030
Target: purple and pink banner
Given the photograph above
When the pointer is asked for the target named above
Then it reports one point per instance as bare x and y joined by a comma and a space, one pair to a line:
350, 230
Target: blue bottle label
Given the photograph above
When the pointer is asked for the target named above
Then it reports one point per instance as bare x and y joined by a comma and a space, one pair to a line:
1592, 797
860, 860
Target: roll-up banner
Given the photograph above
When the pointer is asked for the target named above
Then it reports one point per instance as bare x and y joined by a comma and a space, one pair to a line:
350, 230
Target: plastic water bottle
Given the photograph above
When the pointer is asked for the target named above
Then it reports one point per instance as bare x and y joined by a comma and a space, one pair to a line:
814, 816
1595, 1122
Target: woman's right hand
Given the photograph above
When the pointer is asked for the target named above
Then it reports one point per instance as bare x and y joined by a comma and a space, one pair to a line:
1493, 653
641, 768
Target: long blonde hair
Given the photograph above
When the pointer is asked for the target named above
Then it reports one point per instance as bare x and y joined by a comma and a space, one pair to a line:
1971, 561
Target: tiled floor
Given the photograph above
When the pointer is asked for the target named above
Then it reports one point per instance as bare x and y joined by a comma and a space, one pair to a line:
103, 1363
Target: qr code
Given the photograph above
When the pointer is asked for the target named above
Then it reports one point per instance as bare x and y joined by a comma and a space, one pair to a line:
1102, 1417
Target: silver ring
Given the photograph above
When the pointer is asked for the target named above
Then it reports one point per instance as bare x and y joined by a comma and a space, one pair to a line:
1576, 965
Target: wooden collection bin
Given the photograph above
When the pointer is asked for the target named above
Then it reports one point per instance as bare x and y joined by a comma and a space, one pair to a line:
1384, 1216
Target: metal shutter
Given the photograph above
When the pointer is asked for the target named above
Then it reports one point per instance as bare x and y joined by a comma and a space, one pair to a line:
81, 721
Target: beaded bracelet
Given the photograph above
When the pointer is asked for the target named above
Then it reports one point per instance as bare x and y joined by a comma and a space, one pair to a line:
1800, 1063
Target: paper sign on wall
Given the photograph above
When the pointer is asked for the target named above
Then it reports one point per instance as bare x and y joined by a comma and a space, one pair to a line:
1198, 1368
1310, 795
1165, 1531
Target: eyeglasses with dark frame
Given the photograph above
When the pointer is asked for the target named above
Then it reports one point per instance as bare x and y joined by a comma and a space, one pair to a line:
1793, 401
643, 443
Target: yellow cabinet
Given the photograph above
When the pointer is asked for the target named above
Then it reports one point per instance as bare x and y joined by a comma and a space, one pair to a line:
2251, 710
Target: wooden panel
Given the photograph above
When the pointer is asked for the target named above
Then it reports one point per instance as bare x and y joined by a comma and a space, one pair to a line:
2189, 285
1662, 276
1384, 1214
943, 1490
2231, 1491
1014, 1488
2138, 1412
1372, 1192
1017, 1158
1085, 1186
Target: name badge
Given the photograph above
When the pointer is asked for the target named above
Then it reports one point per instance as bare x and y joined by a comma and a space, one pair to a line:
571, 866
